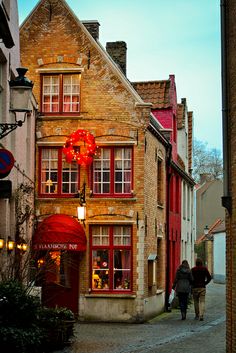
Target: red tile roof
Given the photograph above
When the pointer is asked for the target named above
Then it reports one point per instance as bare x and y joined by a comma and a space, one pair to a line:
155, 92
180, 116
215, 226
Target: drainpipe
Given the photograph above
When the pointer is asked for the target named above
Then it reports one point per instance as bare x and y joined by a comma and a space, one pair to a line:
226, 198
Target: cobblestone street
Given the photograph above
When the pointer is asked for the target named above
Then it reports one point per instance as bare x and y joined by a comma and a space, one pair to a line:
165, 333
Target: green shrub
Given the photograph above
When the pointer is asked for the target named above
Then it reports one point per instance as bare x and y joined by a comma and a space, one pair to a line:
26, 326
58, 325
17, 308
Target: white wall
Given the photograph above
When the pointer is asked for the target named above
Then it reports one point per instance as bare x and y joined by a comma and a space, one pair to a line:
219, 258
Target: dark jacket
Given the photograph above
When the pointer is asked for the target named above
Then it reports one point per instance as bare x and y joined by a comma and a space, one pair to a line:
183, 280
201, 276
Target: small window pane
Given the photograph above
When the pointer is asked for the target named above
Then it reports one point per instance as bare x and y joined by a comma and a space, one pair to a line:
100, 269
122, 269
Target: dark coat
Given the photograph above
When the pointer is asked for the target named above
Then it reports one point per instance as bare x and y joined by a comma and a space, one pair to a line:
183, 280
201, 276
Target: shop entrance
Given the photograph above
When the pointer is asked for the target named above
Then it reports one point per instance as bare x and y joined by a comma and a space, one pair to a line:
58, 243
59, 279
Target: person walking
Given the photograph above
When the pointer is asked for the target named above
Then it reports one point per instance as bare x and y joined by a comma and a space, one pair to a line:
182, 286
201, 277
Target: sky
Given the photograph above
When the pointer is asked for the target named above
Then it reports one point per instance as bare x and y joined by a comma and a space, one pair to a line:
163, 37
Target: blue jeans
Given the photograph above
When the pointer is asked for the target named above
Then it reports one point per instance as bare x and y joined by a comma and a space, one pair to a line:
183, 301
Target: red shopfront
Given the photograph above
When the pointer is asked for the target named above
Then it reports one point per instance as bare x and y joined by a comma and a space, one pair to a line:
58, 243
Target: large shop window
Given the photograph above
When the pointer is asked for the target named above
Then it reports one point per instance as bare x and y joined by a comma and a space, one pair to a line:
61, 93
112, 172
56, 176
111, 258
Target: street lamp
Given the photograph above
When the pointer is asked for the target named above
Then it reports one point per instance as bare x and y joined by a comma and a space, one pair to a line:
206, 230
20, 96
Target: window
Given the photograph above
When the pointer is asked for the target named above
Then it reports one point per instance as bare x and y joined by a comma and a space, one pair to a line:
61, 93
112, 171
160, 185
184, 200
111, 258
177, 194
57, 177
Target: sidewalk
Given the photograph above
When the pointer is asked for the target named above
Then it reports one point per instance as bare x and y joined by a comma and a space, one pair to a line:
164, 334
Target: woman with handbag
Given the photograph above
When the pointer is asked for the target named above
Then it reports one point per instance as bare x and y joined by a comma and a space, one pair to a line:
182, 286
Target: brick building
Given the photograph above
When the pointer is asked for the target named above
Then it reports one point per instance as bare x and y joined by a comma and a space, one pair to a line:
174, 119
116, 271
228, 43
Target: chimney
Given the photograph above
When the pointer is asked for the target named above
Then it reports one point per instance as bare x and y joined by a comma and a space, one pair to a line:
204, 177
93, 27
117, 50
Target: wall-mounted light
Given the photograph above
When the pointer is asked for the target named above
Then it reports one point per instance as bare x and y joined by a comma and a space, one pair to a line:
20, 97
81, 210
22, 245
1, 243
10, 245
81, 213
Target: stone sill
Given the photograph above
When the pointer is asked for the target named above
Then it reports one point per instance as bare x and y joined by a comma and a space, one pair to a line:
117, 296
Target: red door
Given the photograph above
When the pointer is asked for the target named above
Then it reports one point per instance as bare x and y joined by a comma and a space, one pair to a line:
61, 280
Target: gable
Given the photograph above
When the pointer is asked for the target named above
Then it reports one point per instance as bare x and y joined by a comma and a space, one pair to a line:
53, 35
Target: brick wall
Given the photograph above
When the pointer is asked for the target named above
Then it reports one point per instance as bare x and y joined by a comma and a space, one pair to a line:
229, 43
111, 110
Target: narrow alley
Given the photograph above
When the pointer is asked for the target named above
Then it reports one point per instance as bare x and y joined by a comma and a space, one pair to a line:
165, 333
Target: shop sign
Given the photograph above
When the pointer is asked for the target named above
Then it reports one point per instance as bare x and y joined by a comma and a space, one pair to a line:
55, 246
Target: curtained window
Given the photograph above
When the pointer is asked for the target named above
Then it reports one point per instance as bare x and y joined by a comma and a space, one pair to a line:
112, 171
56, 177
111, 258
61, 93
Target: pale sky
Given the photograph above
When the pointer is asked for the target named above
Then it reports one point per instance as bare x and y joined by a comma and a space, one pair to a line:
180, 37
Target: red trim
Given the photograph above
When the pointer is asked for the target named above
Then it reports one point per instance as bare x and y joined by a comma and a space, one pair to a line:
112, 194
111, 248
59, 194
60, 112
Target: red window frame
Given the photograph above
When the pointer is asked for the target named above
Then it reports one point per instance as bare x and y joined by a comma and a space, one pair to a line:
111, 172
59, 172
60, 94
111, 248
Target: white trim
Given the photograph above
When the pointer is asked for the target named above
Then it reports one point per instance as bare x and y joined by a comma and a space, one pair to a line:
110, 221
61, 69
110, 143
49, 143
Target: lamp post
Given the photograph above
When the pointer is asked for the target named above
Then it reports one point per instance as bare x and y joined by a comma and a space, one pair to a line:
20, 96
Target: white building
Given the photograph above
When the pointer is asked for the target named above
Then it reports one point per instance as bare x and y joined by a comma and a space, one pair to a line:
185, 143
17, 184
